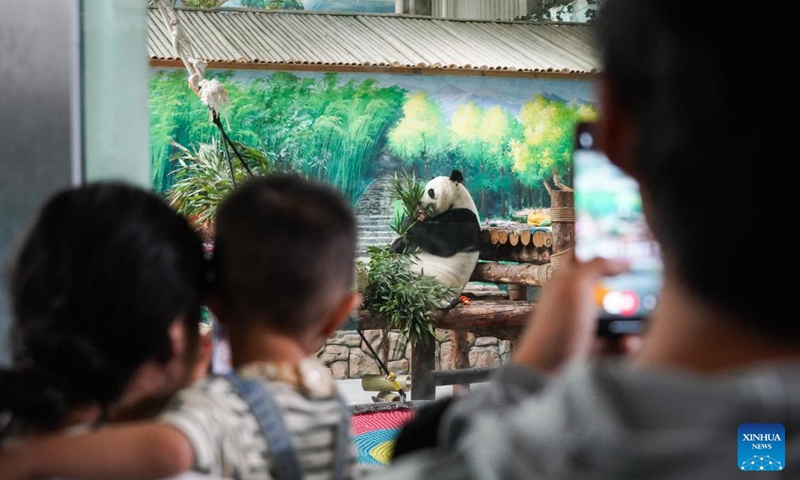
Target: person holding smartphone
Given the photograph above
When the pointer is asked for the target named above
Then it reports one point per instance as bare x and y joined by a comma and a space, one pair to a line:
714, 390
610, 223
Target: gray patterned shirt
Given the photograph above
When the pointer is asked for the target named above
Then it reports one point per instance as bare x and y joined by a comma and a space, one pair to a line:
228, 442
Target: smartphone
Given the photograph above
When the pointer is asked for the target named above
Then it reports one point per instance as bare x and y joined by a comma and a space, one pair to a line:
220, 349
609, 223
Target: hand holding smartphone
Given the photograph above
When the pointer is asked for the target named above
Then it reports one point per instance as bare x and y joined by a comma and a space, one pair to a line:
609, 223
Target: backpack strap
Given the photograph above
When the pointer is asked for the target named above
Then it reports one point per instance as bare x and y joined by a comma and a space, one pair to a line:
342, 453
270, 418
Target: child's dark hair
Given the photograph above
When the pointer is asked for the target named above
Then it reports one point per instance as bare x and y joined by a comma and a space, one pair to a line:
284, 250
104, 272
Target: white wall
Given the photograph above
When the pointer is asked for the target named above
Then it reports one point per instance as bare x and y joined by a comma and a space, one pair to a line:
115, 91
481, 9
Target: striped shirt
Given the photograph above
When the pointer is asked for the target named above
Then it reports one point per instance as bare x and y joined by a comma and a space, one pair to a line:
228, 442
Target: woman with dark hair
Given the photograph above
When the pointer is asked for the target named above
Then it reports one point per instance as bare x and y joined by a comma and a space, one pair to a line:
106, 294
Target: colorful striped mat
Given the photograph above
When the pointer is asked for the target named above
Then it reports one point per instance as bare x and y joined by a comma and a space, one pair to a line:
375, 434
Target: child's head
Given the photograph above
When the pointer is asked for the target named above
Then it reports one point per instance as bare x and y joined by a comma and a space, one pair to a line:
105, 277
284, 253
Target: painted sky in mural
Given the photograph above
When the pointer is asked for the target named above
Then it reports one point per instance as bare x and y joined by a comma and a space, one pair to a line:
357, 130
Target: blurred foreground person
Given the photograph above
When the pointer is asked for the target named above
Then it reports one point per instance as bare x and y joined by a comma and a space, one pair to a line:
283, 262
722, 349
106, 292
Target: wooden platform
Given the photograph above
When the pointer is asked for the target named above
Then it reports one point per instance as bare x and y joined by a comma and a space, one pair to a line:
497, 318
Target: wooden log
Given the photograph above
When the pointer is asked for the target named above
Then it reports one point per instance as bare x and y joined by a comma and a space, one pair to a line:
548, 239
463, 376
502, 319
525, 236
513, 238
483, 315
513, 274
538, 238
505, 226
484, 291
502, 237
528, 254
495, 236
422, 366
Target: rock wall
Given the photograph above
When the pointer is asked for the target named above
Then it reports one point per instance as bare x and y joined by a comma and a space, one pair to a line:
348, 356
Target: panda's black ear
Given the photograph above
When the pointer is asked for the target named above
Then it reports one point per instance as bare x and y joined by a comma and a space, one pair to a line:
457, 176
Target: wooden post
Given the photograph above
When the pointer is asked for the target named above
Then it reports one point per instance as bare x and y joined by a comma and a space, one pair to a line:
562, 214
516, 292
422, 366
460, 356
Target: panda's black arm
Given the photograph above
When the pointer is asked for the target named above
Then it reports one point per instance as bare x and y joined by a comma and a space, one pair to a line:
400, 243
445, 235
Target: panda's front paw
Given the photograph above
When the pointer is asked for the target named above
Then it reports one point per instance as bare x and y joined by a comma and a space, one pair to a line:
445, 305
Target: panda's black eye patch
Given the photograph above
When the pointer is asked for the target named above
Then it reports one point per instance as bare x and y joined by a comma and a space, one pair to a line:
431, 193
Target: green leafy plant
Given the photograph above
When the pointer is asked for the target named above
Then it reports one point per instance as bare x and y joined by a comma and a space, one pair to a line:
406, 300
203, 178
408, 193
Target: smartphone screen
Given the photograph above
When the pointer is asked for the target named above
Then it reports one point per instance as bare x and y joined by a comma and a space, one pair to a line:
220, 350
609, 223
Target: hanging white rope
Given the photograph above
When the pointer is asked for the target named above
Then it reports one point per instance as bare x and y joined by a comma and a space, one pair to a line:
214, 95
211, 92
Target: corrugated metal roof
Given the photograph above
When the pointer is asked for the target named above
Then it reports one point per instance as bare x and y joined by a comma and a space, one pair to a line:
281, 39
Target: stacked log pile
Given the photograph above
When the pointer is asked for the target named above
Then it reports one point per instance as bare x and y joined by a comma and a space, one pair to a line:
528, 248
516, 242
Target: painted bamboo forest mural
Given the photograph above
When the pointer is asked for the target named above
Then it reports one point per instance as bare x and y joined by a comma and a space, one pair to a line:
507, 135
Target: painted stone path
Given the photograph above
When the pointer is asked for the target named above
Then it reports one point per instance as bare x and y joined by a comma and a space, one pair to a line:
374, 215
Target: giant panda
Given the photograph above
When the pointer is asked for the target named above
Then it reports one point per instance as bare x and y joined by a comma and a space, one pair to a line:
447, 234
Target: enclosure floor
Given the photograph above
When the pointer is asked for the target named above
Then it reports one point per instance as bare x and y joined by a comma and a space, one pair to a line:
355, 395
